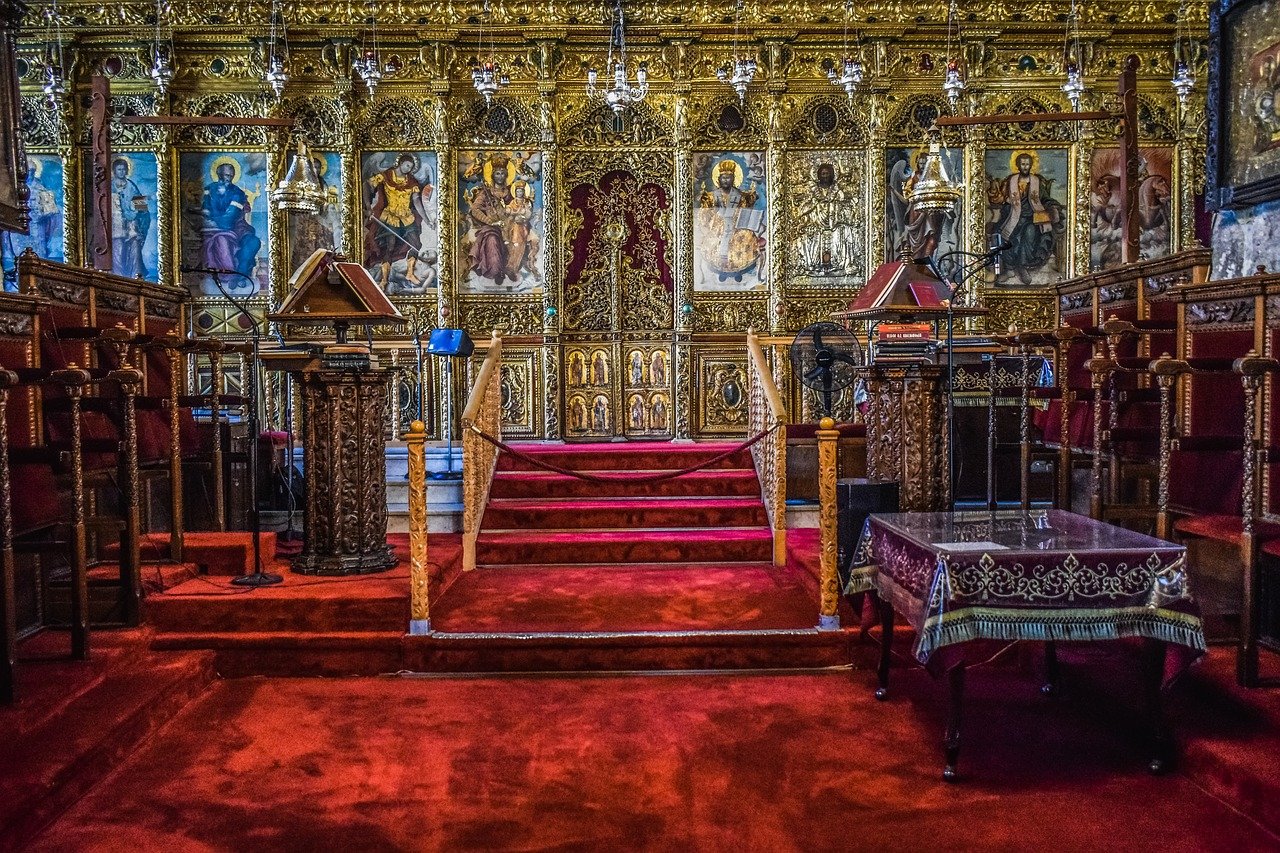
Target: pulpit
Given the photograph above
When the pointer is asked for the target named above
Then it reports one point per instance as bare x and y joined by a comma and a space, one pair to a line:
344, 411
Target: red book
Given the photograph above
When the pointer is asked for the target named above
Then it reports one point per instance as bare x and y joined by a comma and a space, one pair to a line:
925, 294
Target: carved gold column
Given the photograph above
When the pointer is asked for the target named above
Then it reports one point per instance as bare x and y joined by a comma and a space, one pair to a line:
877, 181
1099, 369
446, 300
419, 599
554, 278
71, 187
166, 193
1191, 154
682, 230
1084, 148
828, 584
775, 159
177, 526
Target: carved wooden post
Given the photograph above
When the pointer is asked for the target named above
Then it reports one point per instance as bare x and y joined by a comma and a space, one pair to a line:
173, 345
1098, 370
130, 539
72, 380
1024, 430
216, 377
419, 600
828, 435
100, 149
1253, 372
1167, 370
8, 600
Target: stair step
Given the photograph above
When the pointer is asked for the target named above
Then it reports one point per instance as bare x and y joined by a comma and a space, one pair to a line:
725, 482
626, 457
625, 546
200, 607
623, 513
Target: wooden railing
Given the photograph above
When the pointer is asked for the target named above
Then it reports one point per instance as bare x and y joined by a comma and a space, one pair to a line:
767, 412
479, 457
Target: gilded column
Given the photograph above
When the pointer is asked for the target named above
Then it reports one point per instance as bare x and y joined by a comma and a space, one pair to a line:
448, 289
1191, 152
682, 228
419, 599
775, 159
65, 122
553, 280
828, 584
877, 184
166, 192
1086, 144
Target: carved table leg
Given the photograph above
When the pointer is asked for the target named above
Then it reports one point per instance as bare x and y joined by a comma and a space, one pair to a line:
1052, 673
1162, 745
951, 742
886, 647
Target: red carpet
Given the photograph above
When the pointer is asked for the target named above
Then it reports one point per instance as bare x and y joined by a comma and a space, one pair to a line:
713, 762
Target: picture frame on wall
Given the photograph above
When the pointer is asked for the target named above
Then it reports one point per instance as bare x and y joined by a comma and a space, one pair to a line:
1243, 103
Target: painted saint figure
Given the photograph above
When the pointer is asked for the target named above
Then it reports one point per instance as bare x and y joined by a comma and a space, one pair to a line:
487, 207
396, 213
1028, 219
130, 222
522, 241
728, 235
918, 233
229, 241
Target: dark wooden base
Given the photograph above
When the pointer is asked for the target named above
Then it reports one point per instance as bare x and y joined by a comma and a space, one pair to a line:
377, 560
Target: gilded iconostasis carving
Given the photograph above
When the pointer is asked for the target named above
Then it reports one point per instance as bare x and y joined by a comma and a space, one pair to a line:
623, 255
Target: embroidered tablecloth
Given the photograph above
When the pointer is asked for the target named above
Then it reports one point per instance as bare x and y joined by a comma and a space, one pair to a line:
1013, 575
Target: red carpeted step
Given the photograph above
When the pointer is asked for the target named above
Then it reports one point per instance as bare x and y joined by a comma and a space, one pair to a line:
723, 483
156, 577
228, 553
303, 604
626, 546
626, 457
623, 513
56, 763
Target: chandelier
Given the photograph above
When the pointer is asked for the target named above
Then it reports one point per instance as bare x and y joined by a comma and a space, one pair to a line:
300, 191
368, 65
1074, 88
161, 55
848, 73
277, 74
1184, 77
620, 94
55, 83
953, 83
934, 189
486, 75
741, 70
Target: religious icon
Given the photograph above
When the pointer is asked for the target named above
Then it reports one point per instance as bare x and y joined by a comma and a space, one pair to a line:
1023, 213
134, 236
918, 233
636, 414
500, 222
827, 242
577, 368
577, 414
323, 230
45, 211
658, 413
729, 222
224, 221
1155, 217
637, 367
658, 368
600, 414
599, 368
401, 220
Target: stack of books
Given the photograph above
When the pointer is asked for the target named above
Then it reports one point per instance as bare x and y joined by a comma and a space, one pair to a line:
904, 342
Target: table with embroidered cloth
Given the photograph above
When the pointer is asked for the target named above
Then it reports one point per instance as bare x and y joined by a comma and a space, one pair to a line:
961, 579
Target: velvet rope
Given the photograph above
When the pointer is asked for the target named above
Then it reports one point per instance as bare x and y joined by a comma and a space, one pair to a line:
620, 478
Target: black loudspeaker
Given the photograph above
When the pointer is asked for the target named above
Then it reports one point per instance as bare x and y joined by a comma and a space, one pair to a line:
857, 498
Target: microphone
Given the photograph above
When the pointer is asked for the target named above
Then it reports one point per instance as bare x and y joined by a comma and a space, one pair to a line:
998, 247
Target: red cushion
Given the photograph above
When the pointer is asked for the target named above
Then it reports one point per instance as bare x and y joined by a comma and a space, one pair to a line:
1223, 528
36, 503
1207, 482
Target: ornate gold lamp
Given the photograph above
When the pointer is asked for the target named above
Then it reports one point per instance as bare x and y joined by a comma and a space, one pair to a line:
300, 191
741, 69
1074, 88
934, 189
620, 93
1184, 75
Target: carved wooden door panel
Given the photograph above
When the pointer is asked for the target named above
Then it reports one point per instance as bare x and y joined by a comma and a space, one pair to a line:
618, 321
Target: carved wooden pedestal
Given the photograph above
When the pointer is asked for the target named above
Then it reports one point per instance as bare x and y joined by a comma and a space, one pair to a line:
345, 523
907, 433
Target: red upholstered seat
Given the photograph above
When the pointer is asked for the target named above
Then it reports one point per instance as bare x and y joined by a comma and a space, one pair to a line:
1222, 528
1271, 546
36, 503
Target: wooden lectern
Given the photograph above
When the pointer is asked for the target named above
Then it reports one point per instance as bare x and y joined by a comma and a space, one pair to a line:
344, 412
908, 432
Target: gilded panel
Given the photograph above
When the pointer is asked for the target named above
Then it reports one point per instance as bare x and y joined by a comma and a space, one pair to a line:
46, 206
647, 391
588, 391
521, 393
721, 392
729, 220
401, 220
826, 207
501, 231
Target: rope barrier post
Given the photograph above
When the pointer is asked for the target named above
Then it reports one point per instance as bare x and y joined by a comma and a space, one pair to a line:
828, 435
419, 602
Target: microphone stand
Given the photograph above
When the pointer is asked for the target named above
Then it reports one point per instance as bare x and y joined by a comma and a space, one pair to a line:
289, 532
955, 287
259, 577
